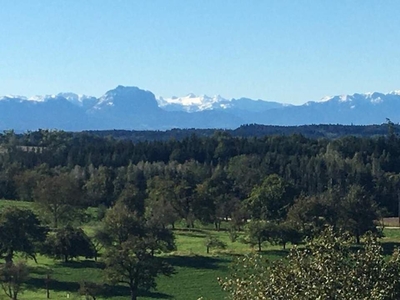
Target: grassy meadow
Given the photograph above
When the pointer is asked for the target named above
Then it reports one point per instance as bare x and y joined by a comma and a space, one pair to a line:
196, 272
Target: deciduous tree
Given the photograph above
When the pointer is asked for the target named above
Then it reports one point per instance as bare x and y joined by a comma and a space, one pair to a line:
213, 242
271, 199
20, 231
12, 278
130, 247
359, 212
328, 268
69, 242
58, 198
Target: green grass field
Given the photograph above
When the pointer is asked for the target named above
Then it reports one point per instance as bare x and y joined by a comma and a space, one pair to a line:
196, 272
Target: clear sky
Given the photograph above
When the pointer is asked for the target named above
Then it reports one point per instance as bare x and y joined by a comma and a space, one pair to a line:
288, 51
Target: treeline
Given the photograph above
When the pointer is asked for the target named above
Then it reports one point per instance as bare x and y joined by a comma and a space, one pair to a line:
253, 130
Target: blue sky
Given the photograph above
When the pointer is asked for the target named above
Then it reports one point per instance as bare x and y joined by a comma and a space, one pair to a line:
287, 51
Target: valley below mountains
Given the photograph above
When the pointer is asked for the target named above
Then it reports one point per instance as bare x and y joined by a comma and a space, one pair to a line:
132, 108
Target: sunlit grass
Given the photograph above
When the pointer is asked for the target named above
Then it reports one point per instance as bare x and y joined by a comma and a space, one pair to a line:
196, 271
20, 204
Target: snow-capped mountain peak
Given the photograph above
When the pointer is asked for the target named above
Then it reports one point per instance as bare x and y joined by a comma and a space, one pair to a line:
38, 98
370, 97
79, 99
192, 103
395, 92
324, 99
12, 97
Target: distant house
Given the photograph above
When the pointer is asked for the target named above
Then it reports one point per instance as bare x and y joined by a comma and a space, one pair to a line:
35, 149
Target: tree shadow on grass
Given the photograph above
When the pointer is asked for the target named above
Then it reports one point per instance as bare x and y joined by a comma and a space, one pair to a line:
276, 253
183, 231
54, 285
40, 270
82, 264
73, 287
155, 295
197, 262
86, 264
119, 290
193, 234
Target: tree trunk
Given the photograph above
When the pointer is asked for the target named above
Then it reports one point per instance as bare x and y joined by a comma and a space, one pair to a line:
259, 245
133, 294
9, 256
47, 286
217, 225
208, 250
55, 221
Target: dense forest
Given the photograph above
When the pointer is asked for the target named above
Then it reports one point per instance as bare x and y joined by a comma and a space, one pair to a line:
208, 177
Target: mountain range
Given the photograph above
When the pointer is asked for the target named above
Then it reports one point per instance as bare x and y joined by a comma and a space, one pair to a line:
134, 108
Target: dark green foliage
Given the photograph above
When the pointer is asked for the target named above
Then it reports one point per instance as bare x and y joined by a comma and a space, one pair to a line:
258, 232
286, 233
271, 199
99, 186
67, 243
359, 213
209, 177
20, 232
58, 198
253, 130
355, 211
132, 264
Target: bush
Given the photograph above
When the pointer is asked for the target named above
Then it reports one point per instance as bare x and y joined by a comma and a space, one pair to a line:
327, 268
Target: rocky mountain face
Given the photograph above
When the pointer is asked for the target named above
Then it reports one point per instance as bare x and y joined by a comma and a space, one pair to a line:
134, 108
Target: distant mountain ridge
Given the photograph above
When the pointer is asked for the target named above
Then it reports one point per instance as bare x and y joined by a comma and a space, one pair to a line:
133, 108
